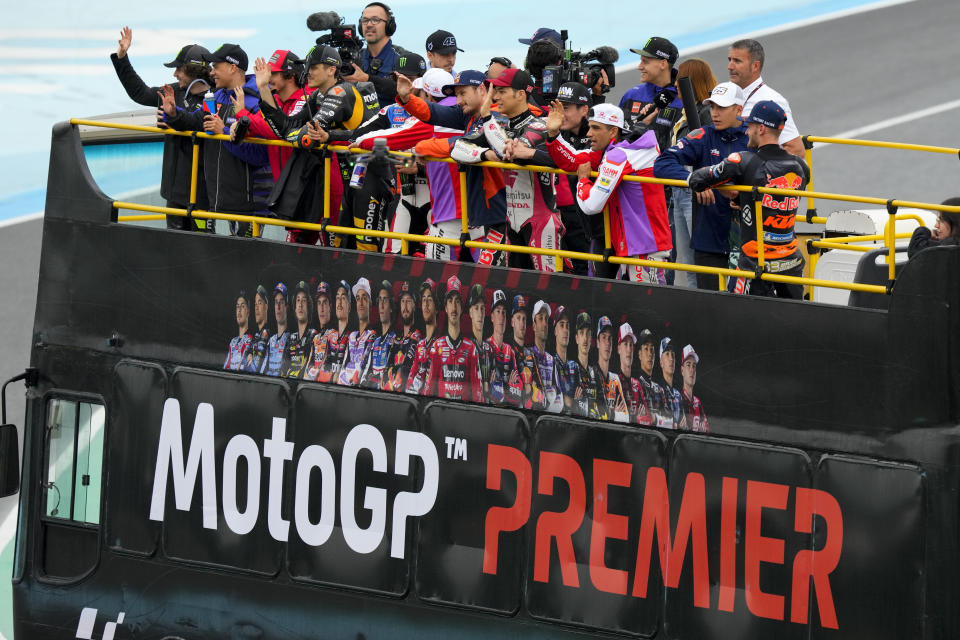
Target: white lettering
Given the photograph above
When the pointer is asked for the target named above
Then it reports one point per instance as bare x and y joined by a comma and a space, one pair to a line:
277, 450
363, 436
407, 504
241, 446
317, 457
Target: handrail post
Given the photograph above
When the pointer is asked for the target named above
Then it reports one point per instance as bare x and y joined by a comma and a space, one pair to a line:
890, 232
327, 163
194, 173
808, 156
758, 220
607, 242
464, 216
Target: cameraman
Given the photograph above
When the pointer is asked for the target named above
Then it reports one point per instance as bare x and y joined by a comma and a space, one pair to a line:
653, 104
378, 59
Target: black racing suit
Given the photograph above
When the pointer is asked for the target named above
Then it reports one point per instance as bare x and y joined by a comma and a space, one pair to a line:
344, 107
769, 166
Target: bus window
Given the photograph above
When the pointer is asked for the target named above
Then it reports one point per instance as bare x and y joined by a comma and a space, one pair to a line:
74, 460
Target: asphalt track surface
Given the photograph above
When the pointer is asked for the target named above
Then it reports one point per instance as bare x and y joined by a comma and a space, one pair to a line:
838, 76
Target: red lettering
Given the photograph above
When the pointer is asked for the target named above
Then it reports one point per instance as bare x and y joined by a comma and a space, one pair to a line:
816, 564
607, 525
758, 549
728, 545
559, 526
692, 522
500, 459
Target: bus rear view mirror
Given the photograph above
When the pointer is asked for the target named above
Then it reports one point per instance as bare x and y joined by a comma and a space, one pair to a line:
9, 461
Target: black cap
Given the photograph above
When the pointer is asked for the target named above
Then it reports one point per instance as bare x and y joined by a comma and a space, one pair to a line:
475, 295
407, 290
243, 294
190, 54
574, 93
646, 336
263, 293
343, 284
442, 42
323, 54
386, 286
231, 53
302, 286
410, 65
657, 47
584, 321
499, 298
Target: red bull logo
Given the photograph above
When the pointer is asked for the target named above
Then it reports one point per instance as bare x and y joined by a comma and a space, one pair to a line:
789, 180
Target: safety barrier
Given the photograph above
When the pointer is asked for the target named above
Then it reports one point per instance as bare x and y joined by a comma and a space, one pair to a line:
889, 236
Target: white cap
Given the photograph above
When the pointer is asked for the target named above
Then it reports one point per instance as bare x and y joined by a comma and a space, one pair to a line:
541, 306
433, 81
607, 114
688, 352
362, 285
626, 331
418, 83
726, 94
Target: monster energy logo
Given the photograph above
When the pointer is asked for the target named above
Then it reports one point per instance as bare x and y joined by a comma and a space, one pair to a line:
403, 61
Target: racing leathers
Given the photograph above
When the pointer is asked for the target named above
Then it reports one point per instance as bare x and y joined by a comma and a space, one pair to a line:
420, 369
529, 369
358, 348
696, 419
276, 348
769, 166
454, 370
654, 397
671, 411
639, 224
343, 108
639, 411
329, 349
531, 197
587, 399
257, 352
401, 359
549, 372
237, 352
504, 385
611, 392
377, 360
297, 355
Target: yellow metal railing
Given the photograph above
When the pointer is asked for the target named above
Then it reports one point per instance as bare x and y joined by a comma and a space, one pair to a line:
405, 238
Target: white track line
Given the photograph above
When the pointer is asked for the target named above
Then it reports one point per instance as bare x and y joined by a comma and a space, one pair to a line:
891, 122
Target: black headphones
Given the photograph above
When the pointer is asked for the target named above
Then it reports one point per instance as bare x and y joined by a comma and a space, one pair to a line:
391, 20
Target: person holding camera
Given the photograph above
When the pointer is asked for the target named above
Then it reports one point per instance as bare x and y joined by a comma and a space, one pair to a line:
193, 79
638, 211
378, 60
653, 105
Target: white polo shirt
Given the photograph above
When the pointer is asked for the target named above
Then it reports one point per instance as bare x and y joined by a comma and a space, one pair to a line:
757, 91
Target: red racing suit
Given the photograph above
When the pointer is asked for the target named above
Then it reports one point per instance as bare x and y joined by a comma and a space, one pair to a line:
693, 409
454, 370
420, 369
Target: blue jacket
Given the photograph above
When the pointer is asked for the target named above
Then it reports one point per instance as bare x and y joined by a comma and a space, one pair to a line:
703, 148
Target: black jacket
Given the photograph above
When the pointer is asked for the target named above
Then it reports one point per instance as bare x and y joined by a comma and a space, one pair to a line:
177, 150
922, 239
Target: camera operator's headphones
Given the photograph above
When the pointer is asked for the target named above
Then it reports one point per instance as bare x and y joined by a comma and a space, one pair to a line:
391, 20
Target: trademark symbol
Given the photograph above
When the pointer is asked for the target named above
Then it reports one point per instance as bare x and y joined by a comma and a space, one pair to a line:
456, 448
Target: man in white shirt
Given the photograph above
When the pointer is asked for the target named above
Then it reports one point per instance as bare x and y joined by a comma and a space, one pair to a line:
744, 64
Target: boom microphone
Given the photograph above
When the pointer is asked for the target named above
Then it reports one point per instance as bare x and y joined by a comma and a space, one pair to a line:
603, 54
323, 20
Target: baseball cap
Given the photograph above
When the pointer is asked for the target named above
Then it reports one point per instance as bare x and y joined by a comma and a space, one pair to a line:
688, 352
283, 60
428, 285
543, 33
231, 53
410, 64
302, 286
407, 290
560, 312
434, 81
386, 286
362, 285
726, 94
263, 293
604, 324
584, 321
541, 305
468, 78
667, 345
343, 284
626, 331
322, 54
519, 305
323, 289
442, 42
646, 336
573, 93
453, 287
190, 54
515, 79
767, 113
282, 290
243, 294
475, 295
499, 297
657, 47
607, 114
